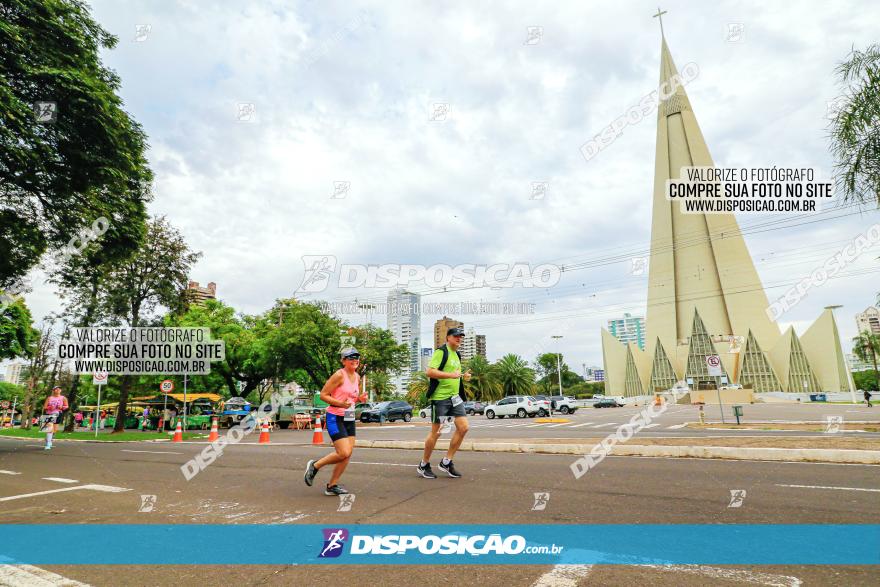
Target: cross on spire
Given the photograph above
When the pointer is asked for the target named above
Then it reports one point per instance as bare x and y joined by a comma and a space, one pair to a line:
659, 16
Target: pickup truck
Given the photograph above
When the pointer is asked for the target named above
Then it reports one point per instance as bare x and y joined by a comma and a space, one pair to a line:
288, 411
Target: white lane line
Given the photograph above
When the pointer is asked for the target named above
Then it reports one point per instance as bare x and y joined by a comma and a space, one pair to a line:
563, 576
154, 452
613, 424
676, 426
533, 425
60, 480
558, 425
652, 425
828, 487
741, 576
102, 488
389, 464
28, 576
2, 472
579, 425
390, 427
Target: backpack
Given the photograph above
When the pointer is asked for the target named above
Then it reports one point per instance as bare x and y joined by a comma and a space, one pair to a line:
434, 383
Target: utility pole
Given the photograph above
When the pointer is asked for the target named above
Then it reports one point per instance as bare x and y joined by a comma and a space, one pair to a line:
558, 362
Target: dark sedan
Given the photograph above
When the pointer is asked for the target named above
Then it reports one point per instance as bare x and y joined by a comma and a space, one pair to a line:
607, 403
388, 412
471, 408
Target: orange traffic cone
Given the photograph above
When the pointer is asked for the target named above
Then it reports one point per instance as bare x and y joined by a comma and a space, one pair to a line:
318, 435
178, 433
214, 435
264, 433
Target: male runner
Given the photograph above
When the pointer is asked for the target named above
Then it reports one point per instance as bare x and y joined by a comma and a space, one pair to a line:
446, 394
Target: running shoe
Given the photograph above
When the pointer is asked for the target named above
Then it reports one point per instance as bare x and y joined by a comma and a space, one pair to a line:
450, 469
47, 447
335, 490
311, 471
426, 471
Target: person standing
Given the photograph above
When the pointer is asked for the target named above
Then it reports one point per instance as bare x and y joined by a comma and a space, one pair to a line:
868, 398
446, 394
54, 407
341, 392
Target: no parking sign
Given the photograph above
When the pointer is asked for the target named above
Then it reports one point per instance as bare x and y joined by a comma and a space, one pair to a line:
713, 363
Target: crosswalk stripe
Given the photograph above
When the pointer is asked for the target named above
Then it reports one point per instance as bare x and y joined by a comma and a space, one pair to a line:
676, 426
652, 425
579, 425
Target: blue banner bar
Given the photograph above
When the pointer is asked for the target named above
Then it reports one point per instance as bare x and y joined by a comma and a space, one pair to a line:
627, 544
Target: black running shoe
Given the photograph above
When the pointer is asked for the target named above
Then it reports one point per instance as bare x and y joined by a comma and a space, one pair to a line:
335, 490
426, 471
311, 471
450, 469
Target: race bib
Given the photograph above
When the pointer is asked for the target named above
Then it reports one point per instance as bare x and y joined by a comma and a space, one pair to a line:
349, 415
456, 400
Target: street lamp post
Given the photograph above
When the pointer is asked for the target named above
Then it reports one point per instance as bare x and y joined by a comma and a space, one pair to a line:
558, 363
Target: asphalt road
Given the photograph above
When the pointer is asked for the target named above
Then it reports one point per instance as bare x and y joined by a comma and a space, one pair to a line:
262, 484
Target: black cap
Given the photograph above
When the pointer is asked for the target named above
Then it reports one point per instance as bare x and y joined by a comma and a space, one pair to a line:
350, 353
455, 331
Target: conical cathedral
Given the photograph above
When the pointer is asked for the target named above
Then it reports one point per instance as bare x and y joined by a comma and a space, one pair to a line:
703, 290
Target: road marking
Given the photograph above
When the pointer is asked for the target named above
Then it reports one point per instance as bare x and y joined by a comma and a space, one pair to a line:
60, 480
395, 427
533, 425
563, 576
742, 576
389, 464
611, 424
2, 472
829, 487
652, 425
102, 488
28, 576
676, 426
154, 452
558, 425
579, 425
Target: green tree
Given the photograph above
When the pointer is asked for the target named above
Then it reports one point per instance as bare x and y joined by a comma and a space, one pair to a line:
380, 386
380, 353
866, 346
417, 390
17, 333
855, 128
69, 153
514, 375
36, 371
155, 275
484, 385
8, 391
866, 380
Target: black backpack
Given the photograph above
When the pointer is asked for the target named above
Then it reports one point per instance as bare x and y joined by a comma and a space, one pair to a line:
434, 383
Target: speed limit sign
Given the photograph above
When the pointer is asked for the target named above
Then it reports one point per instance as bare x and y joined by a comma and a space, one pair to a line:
166, 386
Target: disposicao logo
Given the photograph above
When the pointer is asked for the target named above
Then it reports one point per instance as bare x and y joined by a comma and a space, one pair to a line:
334, 542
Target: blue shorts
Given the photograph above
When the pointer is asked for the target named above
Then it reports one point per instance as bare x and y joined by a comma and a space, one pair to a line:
338, 427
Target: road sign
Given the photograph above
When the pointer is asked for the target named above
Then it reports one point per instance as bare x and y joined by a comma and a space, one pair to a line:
713, 363
166, 386
99, 377
5, 404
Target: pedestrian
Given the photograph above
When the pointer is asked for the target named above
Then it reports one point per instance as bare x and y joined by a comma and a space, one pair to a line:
868, 398
77, 419
53, 408
341, 393
447, 396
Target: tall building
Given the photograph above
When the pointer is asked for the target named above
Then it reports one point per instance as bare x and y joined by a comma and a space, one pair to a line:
15, 373
628, 329
426, 355
868, 321
197, 295
480, 344
703, 288
440, 328
856, 364
404, 322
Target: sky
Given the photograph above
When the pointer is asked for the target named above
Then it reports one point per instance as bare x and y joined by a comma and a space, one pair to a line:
436, 119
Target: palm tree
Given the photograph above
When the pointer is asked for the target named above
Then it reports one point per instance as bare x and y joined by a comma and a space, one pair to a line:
417, 390
514, 375
380, 384
855, 128
867, 348
484, 385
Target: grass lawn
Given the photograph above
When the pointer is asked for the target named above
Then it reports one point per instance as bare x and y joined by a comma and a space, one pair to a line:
102, 436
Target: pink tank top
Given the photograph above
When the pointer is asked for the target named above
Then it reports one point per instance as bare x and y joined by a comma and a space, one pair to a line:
55, 404
347, 391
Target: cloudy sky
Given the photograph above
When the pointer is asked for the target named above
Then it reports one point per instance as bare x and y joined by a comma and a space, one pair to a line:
255, 110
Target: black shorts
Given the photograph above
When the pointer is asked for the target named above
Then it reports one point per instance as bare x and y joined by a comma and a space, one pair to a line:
443, 408
47, 419
338, 427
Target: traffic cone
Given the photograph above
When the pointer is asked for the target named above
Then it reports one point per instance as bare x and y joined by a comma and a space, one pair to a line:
178, 433
318, 435
214, 433
264, 433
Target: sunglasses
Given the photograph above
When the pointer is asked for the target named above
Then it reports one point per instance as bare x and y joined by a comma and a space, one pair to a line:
352, 358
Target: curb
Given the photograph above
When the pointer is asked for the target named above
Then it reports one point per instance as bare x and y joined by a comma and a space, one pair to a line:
806, 455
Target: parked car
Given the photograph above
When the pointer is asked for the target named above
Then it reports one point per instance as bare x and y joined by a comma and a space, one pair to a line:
608, 402
563, 404
545, 406
425, 412
388, 412
359, 408
471, 408
515, 406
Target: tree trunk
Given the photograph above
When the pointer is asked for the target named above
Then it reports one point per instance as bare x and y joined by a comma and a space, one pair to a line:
123, 402
69, 421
